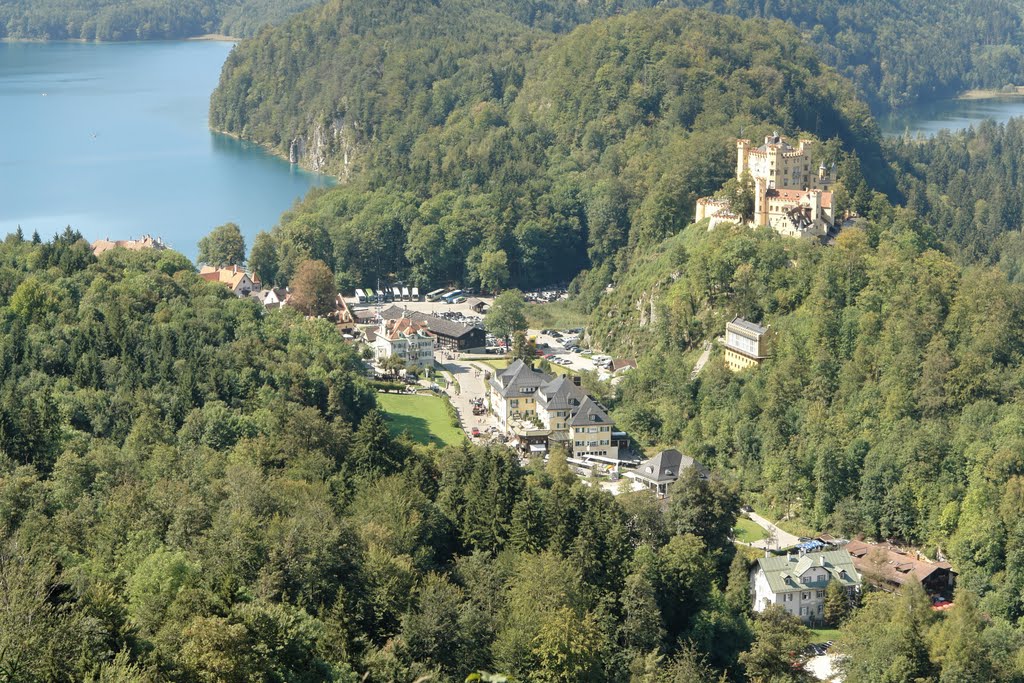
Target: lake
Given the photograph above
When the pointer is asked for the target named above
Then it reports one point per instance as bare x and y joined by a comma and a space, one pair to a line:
113, 140
929, 119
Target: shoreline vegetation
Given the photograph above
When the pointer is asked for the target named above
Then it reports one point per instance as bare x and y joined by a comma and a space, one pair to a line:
991, 93
216, 37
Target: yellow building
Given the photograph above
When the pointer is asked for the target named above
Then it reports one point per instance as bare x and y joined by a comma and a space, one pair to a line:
746, 344
590, 433
790, 196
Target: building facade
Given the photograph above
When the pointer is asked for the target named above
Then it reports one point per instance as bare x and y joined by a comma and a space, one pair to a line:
559, 406
791, 196
234, 278
408, 340
590, 433
746, 344
798, 582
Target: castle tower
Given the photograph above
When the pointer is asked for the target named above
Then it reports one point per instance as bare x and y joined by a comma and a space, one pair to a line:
742, 157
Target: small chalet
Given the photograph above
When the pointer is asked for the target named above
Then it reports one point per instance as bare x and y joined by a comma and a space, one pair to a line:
663, 469
478, 305
889, 568
234, 278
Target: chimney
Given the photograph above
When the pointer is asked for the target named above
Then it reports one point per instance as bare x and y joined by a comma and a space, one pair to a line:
576, 380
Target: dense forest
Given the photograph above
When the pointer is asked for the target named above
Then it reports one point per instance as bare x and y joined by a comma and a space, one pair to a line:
194, 490
890, 407
599, 145
140, 19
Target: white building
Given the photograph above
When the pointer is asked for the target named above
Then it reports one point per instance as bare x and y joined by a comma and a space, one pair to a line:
798, 582
406, 339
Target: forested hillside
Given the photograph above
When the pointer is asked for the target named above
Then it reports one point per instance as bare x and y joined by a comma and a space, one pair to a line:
194, 490
140, 19
890, 407
465, 154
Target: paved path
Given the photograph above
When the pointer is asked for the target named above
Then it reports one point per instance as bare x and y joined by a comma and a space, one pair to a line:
777, 538
702, 361
471, 386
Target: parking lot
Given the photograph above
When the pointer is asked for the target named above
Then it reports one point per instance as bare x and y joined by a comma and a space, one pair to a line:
563, 347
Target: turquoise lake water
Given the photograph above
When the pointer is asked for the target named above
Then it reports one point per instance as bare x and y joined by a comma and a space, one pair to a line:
113, 140
930, 118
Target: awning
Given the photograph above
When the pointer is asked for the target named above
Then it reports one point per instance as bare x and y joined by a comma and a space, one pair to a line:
538, 448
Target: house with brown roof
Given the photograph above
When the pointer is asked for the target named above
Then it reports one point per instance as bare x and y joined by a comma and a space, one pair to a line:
889, 568
234, 278
407, 339
448, 333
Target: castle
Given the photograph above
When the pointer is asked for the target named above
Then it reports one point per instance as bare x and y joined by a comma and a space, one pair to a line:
789, 196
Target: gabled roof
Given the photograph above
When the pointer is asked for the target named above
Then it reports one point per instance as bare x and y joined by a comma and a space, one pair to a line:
892, 564
666, 466
589, 413
791, 572
439, 326
518, 376
230, 277
560, 394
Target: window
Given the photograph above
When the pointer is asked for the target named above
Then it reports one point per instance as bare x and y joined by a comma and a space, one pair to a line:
803, 611
805, 596
819, 594
820, 609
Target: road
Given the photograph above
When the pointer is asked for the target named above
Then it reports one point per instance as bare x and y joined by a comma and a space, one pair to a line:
471, 386
777, 538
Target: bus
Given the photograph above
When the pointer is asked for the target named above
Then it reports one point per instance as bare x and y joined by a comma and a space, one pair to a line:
435, 295
396, 294
361, 296
370, 294
415, 294
452, 295
405, 293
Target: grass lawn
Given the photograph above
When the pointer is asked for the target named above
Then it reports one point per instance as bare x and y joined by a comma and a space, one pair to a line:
557, 315
748, 531
823, 635
424, 417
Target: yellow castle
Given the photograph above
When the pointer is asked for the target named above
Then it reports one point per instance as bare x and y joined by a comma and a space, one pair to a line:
789, 196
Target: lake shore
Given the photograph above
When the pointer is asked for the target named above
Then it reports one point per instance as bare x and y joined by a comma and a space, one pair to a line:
216, 37
220, 37
988, 94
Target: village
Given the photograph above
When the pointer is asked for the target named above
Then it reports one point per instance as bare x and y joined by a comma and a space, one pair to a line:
435, 346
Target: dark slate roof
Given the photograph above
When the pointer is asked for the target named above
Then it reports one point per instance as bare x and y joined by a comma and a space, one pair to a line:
439, 326
558, 394
666, 466
590, 412
517, 376
749, 326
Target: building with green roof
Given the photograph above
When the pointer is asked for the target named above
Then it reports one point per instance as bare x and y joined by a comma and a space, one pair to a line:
797, 582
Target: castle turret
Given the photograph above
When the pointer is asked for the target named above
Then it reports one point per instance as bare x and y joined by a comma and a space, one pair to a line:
742, 157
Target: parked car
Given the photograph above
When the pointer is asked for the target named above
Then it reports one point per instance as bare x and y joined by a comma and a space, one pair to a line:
475, 432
